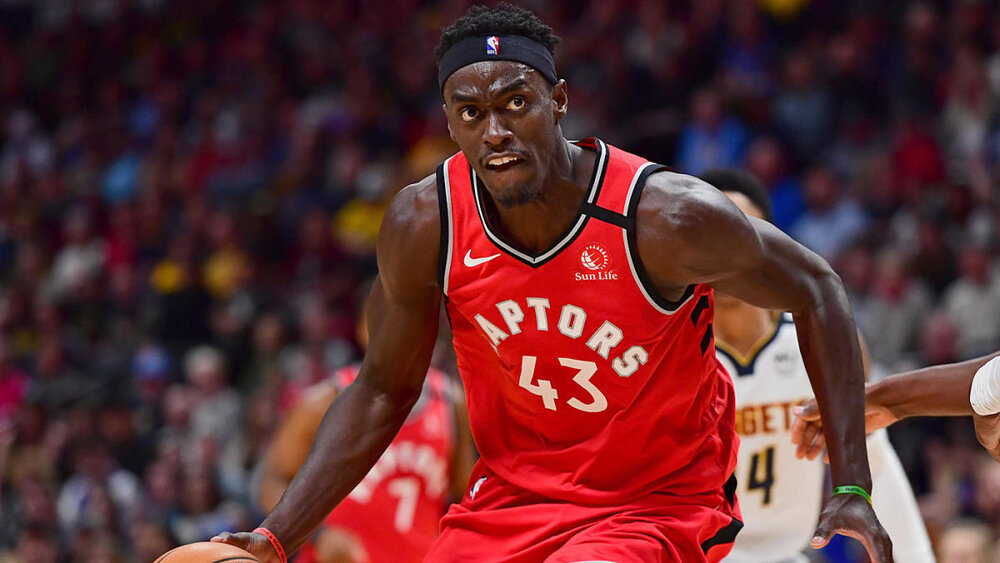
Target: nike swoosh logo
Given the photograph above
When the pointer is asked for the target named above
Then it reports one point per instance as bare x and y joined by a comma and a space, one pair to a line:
473, 262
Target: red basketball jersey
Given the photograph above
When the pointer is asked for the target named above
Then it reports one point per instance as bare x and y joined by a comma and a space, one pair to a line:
582, 383
396, 508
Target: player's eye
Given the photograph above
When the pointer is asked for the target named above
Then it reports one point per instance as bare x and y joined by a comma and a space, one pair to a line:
468, 113
516, 103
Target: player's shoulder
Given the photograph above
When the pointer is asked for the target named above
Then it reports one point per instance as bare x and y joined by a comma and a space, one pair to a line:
682, 203
415, 208
409, 239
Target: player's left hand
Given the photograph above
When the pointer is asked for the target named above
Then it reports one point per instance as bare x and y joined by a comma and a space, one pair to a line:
852, 516
988, 433
807, 429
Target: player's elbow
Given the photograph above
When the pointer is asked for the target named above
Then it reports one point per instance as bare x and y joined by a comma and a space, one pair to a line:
822, 287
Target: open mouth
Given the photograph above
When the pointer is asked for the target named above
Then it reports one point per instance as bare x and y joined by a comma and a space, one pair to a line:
503, 163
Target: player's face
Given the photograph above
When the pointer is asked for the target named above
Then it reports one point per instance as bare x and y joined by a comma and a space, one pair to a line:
505, 117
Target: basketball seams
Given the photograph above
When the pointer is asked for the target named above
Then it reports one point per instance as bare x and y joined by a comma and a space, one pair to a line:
165, 558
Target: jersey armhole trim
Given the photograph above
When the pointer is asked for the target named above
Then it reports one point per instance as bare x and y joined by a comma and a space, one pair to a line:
444, 209
662, 304
605, 215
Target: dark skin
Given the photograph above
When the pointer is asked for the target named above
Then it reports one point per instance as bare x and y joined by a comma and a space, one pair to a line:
688, 232
933, 391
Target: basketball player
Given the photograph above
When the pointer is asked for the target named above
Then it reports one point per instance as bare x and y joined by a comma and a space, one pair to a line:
781, 496
933, 391
578, 282
393, 514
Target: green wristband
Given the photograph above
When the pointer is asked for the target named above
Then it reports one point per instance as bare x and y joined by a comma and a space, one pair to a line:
852, 490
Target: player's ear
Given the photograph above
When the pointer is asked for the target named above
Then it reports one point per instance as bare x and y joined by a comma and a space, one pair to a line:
444, 108
560, 99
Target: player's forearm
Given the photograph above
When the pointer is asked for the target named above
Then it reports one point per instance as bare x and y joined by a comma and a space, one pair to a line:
357, 428
272, 486
829, 343
933, 391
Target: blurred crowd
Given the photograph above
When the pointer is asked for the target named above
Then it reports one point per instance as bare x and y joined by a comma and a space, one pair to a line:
190, 194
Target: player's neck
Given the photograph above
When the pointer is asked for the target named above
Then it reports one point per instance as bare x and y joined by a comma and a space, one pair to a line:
536, 225
741, 326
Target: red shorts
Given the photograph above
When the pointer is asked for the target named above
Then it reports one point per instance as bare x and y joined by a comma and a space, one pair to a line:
502, 522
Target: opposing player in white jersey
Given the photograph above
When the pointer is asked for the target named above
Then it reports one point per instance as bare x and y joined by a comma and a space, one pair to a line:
780, 495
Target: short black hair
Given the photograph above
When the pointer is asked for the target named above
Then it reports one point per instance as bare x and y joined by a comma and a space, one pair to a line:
742, 182
505, 19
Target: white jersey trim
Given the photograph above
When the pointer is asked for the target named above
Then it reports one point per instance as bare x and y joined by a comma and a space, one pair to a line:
534, 260
451, 225
631, 259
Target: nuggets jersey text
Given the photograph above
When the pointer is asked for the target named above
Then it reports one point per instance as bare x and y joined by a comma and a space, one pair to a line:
780, 495
582, 383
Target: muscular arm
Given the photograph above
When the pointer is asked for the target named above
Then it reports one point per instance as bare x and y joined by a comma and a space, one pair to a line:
362, 421
707, 239
688, 232
932, 391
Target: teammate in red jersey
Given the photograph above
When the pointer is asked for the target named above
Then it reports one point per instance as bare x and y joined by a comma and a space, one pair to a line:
578, 281
393, 514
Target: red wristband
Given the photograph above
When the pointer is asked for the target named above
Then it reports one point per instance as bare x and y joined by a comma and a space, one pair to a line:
274, 543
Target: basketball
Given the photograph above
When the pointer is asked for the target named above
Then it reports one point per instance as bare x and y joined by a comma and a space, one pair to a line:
206, 552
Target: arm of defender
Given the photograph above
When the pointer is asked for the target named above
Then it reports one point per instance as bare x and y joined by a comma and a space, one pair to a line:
361, 422
290, 444
933, 391
695, 234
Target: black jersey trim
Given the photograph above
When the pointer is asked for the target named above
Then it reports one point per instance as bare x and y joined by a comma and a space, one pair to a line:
444, 210
728, 533
631, 247
571, 233
698, 309
605, 215
723, 536
706, 339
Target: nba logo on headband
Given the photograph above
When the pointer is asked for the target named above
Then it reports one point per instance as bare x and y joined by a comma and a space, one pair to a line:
492, 45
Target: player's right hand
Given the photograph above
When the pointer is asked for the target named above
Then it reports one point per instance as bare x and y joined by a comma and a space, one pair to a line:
988, 433
255, 543
807, 430
852, 516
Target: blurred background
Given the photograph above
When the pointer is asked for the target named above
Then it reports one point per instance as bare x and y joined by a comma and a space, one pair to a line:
190, 192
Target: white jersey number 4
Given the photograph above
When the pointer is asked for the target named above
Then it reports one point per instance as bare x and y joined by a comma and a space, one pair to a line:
543, 388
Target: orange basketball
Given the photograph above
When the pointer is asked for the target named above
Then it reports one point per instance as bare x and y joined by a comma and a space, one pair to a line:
207, 552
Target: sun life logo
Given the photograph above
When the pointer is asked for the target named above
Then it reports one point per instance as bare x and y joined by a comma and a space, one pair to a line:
594, 257
492, 45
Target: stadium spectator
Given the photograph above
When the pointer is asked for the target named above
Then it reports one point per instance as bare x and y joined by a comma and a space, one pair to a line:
182, 175
973, 302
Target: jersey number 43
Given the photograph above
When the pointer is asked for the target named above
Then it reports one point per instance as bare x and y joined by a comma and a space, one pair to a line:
543, 388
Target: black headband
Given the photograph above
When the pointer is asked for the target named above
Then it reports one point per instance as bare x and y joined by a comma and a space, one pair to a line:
496, 47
